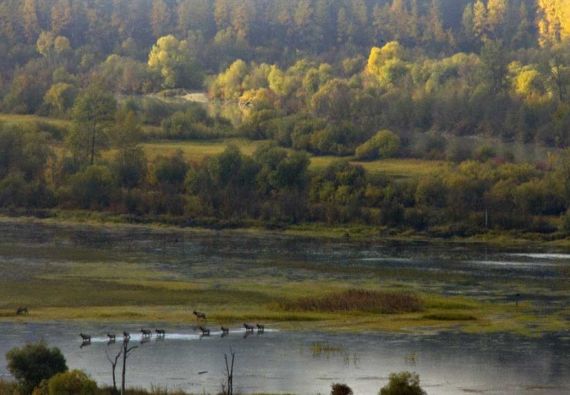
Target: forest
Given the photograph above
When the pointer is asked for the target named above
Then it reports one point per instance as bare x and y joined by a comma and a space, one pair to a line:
327, 91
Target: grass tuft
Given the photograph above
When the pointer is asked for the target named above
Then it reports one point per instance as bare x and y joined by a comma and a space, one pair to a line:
449, 316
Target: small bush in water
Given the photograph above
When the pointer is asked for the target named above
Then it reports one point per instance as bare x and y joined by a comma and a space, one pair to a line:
403, 383
341, 389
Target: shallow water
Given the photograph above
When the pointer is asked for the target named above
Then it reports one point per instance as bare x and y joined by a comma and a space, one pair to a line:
280, 361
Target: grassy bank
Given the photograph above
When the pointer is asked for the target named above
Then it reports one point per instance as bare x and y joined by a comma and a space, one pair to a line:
99, 285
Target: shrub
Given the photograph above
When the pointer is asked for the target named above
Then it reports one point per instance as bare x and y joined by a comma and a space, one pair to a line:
385, 144
404, 383
74, 382
33, 363
92, 187
341, 389
565, 222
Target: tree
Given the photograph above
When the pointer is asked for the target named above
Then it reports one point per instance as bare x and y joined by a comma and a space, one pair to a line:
169, 56
333, 100
404, 383
92, 188
126, 352
93, 113
33, 363
160, 17
30, 19
60, 98
494, 65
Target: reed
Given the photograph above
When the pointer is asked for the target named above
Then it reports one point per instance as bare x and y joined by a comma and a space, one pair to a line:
355, 300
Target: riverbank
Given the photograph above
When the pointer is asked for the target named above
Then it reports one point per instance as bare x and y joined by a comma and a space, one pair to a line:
348, 232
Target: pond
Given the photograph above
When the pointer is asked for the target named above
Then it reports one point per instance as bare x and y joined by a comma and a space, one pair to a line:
302, 362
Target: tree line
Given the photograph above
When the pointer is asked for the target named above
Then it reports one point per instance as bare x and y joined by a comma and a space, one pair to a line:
101, 165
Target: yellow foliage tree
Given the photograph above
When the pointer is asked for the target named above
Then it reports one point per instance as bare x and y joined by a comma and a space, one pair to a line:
554, 21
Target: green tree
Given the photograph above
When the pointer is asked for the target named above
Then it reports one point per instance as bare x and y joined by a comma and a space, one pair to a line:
93, 113
92, 188
170, 57
33, 363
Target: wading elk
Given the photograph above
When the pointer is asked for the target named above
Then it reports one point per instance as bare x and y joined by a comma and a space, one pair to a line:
205, 331
146, 332
248, 328
85, 338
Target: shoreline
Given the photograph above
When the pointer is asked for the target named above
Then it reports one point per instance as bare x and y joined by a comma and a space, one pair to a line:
317, 231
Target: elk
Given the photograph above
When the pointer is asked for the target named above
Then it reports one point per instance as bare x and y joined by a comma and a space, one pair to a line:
85, 338
160, 332
146, 332
111, 337
22, 310
225, 331
260, 328
199, 315
205, 331
248, 328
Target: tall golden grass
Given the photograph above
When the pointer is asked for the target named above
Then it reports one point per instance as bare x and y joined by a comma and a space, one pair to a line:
354, 300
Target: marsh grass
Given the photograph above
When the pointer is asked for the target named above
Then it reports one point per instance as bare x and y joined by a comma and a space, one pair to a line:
318, 348
447, 316
353, 300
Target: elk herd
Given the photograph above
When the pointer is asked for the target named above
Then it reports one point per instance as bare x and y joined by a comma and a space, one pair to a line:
147, 334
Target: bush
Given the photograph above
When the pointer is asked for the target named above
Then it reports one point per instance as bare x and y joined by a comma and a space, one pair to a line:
93, 187
404, 383
341, 389
384, 144
33, 363
565, 222
74, 382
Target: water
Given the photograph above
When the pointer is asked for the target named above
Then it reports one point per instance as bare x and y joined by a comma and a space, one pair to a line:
284, 361
280, 362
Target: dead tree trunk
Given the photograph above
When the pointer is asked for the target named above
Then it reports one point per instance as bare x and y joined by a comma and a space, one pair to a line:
230, 372
114, 361
126, 350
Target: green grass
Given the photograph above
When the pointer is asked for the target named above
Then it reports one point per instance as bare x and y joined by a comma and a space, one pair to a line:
196, 151
399, 168
32, 119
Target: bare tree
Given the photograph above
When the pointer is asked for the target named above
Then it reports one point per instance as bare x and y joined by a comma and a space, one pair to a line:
114, 361
229, 390
125, 351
